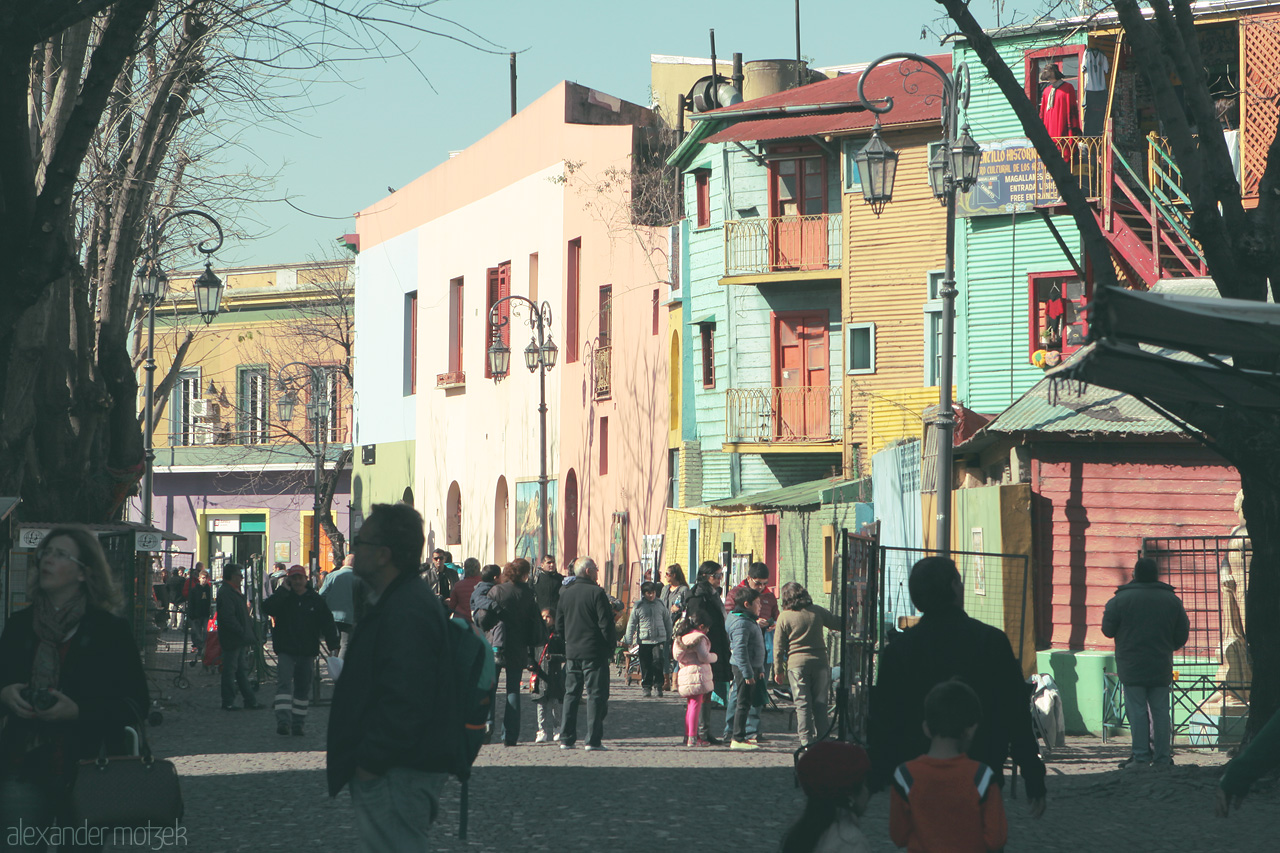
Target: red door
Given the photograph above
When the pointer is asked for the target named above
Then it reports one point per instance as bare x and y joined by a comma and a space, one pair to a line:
802, 408
798, 202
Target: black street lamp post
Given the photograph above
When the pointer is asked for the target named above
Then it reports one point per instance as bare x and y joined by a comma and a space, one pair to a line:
952, 169
539, 355
287, 382
153, 286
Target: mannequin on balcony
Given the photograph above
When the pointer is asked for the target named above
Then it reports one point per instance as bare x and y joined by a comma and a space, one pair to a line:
1059, 108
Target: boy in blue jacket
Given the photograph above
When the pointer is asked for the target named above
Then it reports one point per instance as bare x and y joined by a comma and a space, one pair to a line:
746, 645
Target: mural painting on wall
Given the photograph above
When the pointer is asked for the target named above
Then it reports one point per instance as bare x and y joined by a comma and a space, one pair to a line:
528, 520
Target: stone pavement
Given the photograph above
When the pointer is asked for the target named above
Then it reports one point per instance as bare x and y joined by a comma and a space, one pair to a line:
247, 788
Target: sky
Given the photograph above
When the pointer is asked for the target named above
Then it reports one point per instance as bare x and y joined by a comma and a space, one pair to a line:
383, 124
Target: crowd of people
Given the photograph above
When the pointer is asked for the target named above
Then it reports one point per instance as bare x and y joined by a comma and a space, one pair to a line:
948, 711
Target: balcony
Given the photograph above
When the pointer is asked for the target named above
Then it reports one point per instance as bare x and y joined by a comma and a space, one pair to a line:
805, 247
452, 379
797, 419
601, 371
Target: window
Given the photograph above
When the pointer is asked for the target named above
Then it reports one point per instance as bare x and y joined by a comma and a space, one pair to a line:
456, 293
185, 403
254, 404
330, 380
933, 329
852, 180
708, 356
604, 446
673, 478
657, 301
606, 314
1057, 320
499, 287
411, 343
862, 348
533, 277
574, 271
702, 192
1066, 57
830, 557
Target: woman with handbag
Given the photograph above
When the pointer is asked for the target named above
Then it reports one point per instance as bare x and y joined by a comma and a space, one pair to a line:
70, 680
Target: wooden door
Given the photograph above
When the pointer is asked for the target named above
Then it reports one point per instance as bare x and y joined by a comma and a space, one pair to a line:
801, 377
798, 200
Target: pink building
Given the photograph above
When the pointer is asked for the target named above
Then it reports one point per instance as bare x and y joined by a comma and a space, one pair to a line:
541, 207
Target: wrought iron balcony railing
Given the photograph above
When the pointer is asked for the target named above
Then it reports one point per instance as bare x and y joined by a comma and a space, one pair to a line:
602, 371
803, 413
780, 244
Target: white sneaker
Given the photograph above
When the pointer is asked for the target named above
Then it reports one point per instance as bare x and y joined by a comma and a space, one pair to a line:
599, 747
541, 738
557, 737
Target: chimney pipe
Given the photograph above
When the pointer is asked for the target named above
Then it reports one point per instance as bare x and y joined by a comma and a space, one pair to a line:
799, 70
513, 83
737, 72
680, 120
713, 58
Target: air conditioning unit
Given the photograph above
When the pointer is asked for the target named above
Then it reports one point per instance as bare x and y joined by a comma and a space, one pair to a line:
200, 408
206, 436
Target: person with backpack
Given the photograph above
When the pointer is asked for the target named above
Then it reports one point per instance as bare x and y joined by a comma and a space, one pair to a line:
485, 615
394, 729
522, 631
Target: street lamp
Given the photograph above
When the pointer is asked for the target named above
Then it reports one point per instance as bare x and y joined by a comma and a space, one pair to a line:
153, 285
953, 169
540, 356
287, 383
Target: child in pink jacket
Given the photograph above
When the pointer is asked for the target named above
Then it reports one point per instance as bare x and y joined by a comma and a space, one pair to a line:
692, 651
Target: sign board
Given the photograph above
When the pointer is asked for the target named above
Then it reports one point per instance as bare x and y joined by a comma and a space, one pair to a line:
1011, 179
146, 540
31, 537
225, 525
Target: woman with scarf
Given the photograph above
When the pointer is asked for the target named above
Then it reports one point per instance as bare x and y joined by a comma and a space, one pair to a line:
70, 678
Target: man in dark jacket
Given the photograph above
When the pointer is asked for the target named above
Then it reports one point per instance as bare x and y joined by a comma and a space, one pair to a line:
299, 618
705, 608
236, 635
547, 585
947, 644
585, 620
1149, 624
523, 631
391, 708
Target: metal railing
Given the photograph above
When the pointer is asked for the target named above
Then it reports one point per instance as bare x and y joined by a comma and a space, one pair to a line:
783, 244
1087, 158
602, 364
796, 414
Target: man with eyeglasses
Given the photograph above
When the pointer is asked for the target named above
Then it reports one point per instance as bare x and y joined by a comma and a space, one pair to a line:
758, 579
387, 712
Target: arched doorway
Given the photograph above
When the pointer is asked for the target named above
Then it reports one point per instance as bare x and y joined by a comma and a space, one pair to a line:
453, 516
570, 518
500, 522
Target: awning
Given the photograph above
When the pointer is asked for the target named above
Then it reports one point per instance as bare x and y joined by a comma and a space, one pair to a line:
1239, 327
705, 320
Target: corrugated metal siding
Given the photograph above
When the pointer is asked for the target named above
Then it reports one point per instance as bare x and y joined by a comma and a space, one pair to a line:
887, 281
996, 253
1097, 502
896, 415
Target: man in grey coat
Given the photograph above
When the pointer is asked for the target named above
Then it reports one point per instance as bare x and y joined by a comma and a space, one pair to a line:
1149, 624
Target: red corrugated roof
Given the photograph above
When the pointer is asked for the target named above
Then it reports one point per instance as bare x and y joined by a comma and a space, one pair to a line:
924, 104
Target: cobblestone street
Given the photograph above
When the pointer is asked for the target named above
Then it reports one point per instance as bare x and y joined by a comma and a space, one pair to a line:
247, 788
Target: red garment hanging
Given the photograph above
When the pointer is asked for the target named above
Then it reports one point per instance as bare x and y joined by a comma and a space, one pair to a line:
1060, 109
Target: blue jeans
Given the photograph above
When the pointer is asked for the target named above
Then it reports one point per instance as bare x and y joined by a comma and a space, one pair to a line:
395, 810
293, 687
40, 805
235, 665
511, 714
1138, 701
594, 675
730, 709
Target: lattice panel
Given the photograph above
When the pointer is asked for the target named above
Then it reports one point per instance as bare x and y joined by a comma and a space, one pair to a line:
1260, 98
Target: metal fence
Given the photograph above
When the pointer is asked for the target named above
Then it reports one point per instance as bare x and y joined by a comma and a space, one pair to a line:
167, 649
1211, 576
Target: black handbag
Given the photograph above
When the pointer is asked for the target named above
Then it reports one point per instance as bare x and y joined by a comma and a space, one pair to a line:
126, 791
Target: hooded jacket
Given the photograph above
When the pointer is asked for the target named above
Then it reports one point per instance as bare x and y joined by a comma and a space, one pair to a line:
1149, 624
650, 623
746, 641
693, 654
704, 608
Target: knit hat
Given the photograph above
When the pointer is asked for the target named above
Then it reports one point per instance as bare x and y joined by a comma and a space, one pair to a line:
832, 768
295, 569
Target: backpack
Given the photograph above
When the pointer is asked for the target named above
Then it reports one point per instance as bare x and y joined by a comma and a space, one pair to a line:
474, 676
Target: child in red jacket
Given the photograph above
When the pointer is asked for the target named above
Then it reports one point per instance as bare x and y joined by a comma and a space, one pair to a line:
944, 801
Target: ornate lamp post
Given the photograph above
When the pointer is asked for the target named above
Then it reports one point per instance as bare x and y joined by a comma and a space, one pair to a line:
952, 169
153, 285
288, 381
539, 356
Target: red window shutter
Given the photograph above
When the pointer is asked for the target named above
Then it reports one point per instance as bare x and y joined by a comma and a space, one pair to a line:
703, 180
